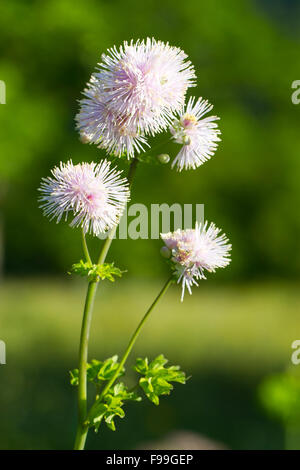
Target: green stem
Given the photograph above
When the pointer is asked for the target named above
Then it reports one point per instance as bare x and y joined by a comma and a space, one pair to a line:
131, 171
82, 430
85, 248
133, 340
106, 245
111, 233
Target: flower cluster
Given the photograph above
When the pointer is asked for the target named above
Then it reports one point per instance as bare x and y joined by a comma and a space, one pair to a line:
197, 135
94, 193
134, 93
137, 91
195, 251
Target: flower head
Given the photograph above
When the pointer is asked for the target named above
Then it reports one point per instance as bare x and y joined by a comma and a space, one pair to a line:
198, 136
195, 251
140, 87
112, 131
94, 194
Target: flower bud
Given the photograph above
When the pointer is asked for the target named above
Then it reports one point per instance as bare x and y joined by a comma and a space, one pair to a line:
165, 252
163, 158
186, 140
84, 139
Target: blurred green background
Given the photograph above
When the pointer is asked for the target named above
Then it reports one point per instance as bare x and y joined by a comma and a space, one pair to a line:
238, 327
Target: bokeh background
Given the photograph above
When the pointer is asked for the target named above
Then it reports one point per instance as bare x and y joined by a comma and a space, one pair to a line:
237, 328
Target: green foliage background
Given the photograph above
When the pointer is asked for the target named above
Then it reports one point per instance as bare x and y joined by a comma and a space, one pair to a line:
246, 56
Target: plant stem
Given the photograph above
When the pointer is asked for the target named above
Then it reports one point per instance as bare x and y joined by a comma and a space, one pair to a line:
85, 248
106, 245
111, 233
133, 339
82, 430
131, 171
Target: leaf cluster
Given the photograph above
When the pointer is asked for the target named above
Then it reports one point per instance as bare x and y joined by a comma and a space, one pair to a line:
98, 371
157, 378
155, 381
111, 406
96, 272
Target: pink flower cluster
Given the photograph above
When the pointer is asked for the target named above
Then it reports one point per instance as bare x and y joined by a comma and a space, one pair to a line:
94, 193
197, 135
194, 251
134, 93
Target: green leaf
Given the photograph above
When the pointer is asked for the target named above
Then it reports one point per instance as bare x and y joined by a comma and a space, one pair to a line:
111, 406
141, 365
105, 370
149, 159
74, 377
158, 362
156, 377
96, 272
108, 271
99, 371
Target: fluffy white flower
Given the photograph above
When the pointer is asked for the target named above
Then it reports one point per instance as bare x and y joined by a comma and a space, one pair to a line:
195, 251
135, 91
93, 193
99, 125
197, 135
